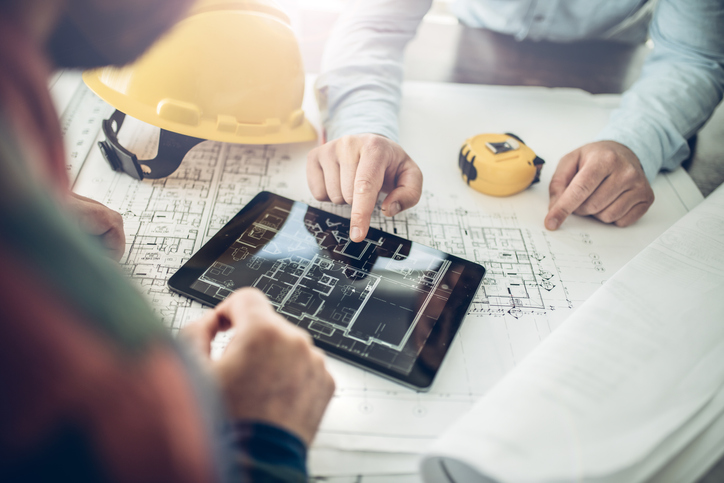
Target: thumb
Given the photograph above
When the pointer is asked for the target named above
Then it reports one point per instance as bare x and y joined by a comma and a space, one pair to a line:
201, 332
407, 191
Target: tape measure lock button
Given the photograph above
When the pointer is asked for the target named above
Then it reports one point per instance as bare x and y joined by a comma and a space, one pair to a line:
498, 148
499, 164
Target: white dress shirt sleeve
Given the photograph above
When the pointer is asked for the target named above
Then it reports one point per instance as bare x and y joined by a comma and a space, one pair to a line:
680, 86
359, 90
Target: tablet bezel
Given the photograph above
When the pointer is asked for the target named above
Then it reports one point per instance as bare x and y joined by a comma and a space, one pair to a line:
422, 375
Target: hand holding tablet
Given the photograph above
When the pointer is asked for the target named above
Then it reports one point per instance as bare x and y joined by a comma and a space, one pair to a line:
387, 304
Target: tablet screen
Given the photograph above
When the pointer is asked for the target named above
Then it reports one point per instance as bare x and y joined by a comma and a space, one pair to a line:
377, 301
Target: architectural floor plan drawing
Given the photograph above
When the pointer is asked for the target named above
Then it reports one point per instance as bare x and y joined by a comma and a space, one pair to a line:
366, 298
534, 278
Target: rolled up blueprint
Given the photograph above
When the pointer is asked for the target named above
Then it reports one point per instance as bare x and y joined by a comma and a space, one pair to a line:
629, 382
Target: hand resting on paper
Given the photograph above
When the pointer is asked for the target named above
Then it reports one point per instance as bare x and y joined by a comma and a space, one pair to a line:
355, 169
270, 370
100, 221
602, 179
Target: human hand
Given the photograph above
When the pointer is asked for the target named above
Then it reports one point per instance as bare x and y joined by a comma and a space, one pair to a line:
355, 169
99, 220
602, 179
270, 370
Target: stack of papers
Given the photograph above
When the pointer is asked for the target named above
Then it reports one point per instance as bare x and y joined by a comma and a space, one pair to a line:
629, 388
374, 429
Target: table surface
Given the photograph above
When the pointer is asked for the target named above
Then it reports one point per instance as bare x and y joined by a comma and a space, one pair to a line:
455, 53
449, 52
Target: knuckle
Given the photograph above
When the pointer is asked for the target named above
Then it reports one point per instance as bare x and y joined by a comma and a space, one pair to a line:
347, 193
330, 383
591, 207
318, 194
251, 301
363, 186
302, 339
263, 335
376, 146
117, 220
584, 210
249, 296
376, 142
358, 218
631, 175
607, 217
337, 199
326, 162
607, 158
623, 223
346, 143
556, 186
579, 192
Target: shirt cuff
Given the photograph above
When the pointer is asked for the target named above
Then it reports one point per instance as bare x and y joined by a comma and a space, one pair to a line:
363, 118
269, 453
655, 148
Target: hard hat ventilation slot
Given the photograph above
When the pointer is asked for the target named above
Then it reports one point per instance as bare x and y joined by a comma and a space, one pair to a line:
179, 111
296, 118
226, 123
267, 127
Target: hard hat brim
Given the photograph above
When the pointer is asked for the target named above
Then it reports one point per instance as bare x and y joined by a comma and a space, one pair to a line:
206, 129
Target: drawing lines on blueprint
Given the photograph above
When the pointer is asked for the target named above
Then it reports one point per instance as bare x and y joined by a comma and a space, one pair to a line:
168, 220
525, 292
520, 279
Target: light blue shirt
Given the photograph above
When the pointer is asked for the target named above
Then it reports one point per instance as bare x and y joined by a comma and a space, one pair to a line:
359, 90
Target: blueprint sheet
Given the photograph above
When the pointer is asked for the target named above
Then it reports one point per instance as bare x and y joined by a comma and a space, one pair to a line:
535, 278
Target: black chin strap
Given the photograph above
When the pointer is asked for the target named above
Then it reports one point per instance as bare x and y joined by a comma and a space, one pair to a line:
172, 148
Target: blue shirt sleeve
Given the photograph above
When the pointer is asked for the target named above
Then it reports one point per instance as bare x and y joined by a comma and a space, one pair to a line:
245, 451
680, 86
266, 453
359, 89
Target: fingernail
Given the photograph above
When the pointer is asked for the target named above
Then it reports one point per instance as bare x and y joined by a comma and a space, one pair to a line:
394, 209
355, 233
553, 224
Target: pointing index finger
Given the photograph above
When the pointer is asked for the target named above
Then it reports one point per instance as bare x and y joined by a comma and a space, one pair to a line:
565, 171
367, 185
584, 183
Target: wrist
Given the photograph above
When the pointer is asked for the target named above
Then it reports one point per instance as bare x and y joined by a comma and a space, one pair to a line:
270, 446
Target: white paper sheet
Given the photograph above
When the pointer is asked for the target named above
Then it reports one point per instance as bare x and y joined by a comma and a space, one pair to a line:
551, 273
624, 385
334, 462
535, 278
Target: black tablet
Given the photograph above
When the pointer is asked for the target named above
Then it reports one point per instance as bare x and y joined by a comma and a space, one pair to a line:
386, 304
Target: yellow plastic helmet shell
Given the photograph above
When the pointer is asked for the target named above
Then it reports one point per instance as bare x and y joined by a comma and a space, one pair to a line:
231, 71
498, 164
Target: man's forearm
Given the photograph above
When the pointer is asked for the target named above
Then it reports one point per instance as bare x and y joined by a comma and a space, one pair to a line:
359, 90
681, 84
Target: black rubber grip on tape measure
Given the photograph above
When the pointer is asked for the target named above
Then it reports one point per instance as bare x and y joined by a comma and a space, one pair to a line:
466, 166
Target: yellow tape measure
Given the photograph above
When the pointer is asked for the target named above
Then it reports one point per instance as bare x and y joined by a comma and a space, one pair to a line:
499, 164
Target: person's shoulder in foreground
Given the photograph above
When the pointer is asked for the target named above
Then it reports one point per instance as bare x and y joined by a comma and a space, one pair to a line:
93, 387
359, 94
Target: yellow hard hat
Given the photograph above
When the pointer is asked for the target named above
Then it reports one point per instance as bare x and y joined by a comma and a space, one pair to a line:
499, 164
231, 71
